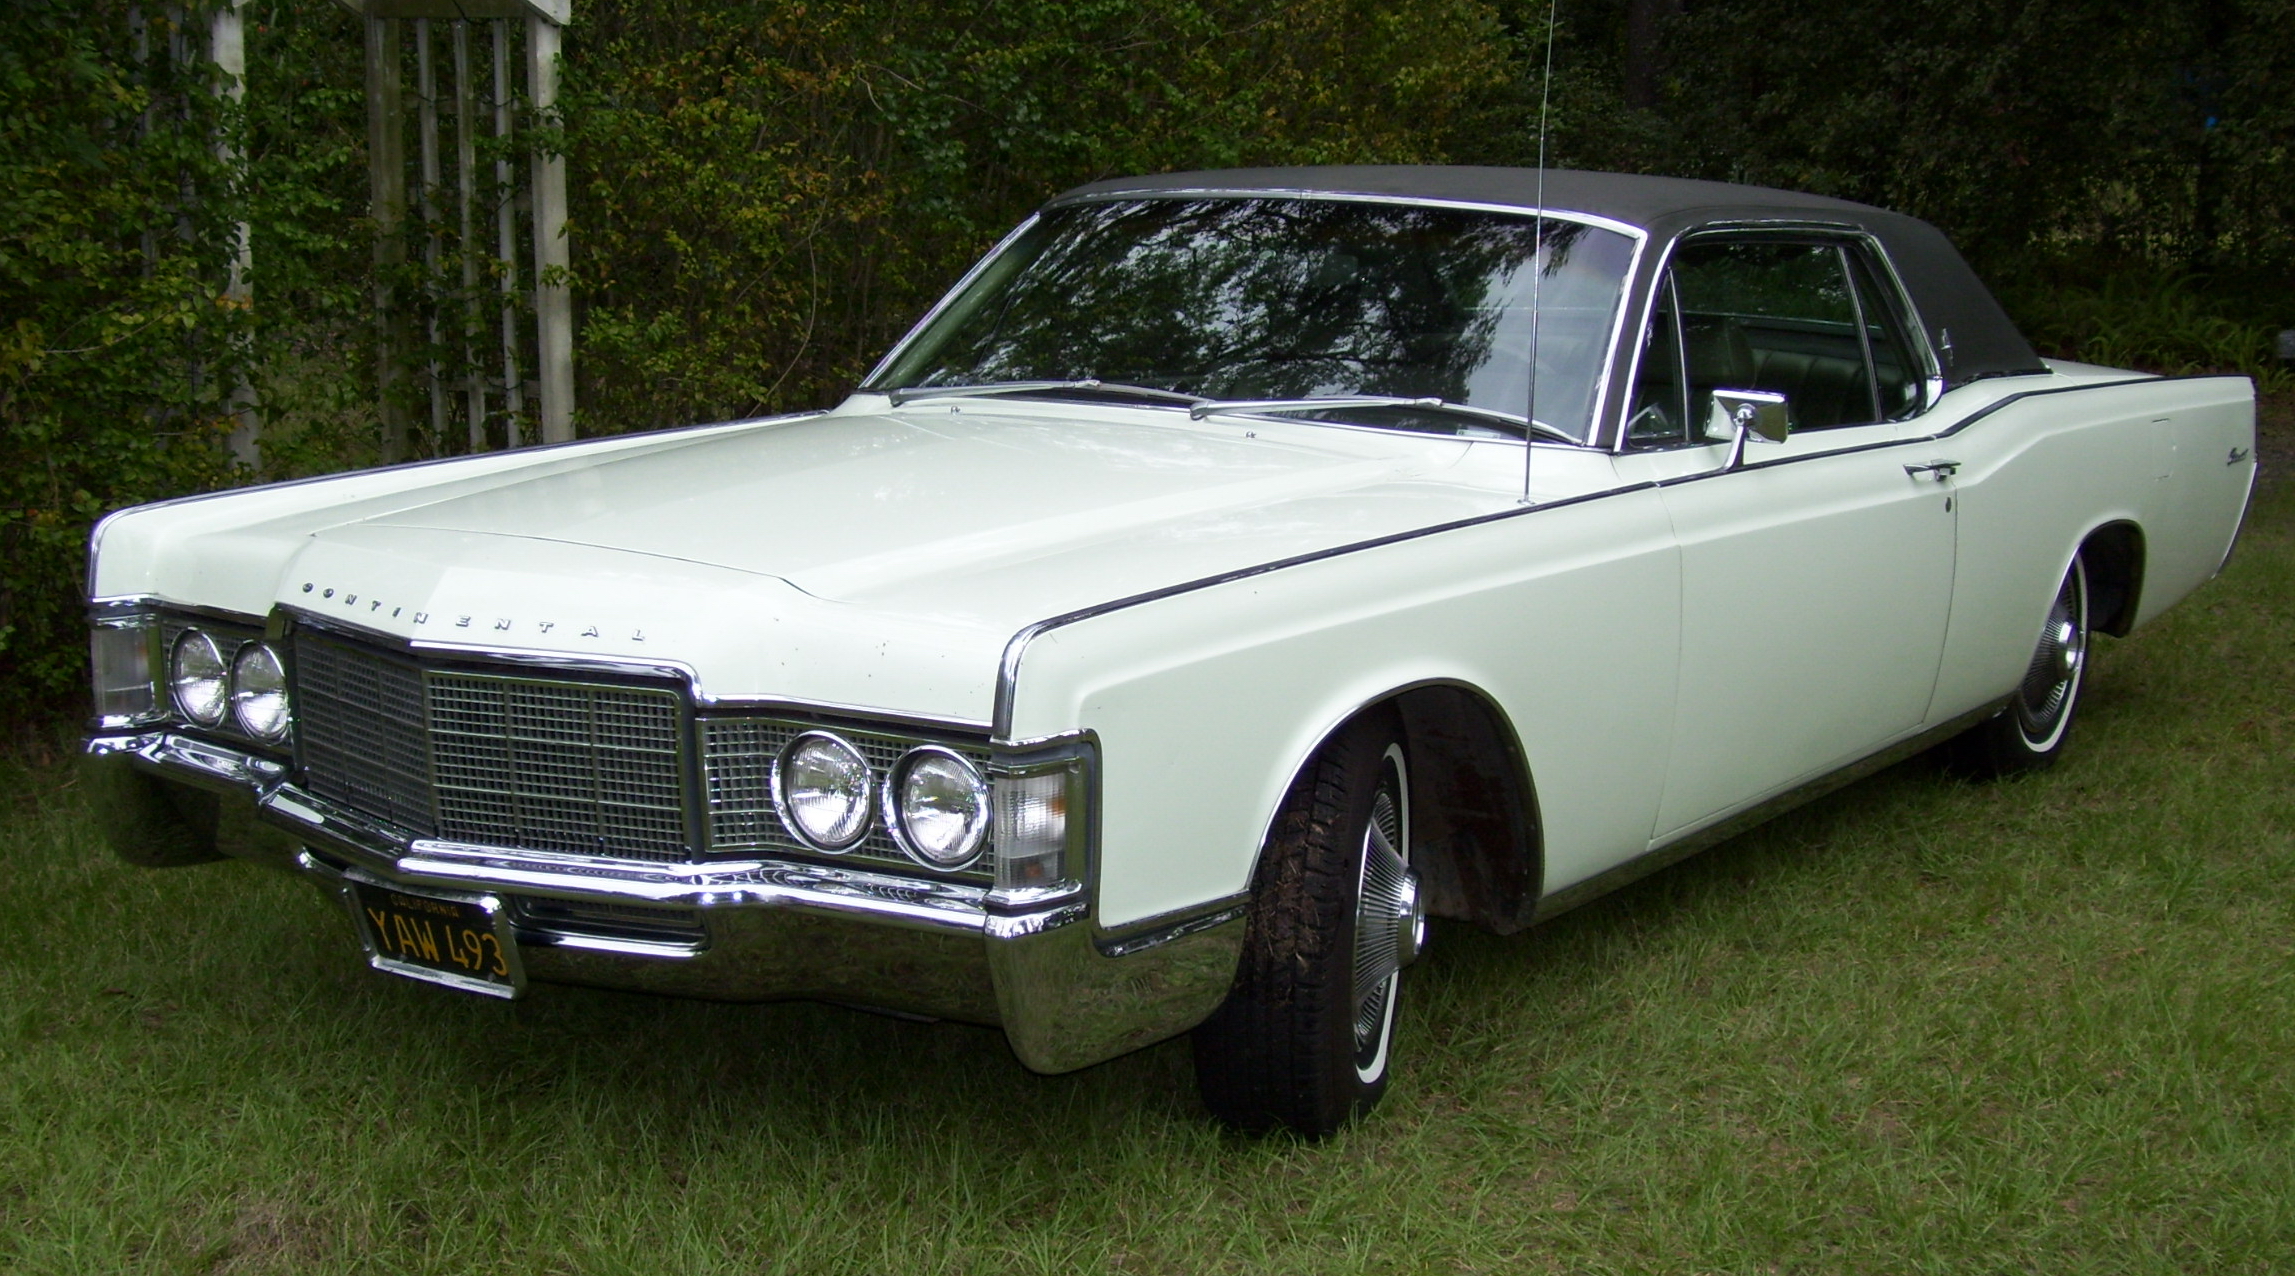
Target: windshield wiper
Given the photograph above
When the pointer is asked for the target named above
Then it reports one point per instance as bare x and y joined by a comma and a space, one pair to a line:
1519, 424
911, 393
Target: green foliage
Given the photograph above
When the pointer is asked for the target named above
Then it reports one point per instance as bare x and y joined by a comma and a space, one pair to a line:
2155, 320
117, 347
119, 350
306, 202
2163, 133
768, 193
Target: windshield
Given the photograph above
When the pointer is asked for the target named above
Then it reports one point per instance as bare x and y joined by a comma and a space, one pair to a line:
1280, 298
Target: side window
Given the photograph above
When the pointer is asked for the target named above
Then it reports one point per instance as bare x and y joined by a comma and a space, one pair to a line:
1766, 314
1896, 372
1658, 413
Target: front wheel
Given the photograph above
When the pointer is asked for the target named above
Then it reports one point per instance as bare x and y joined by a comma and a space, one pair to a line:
1305, 1040
2029, 733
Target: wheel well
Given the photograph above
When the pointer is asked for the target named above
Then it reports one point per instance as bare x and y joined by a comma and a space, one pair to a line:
1474, 816
2114, 555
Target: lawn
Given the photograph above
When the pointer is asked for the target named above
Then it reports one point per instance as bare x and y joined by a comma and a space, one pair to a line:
1921, 1026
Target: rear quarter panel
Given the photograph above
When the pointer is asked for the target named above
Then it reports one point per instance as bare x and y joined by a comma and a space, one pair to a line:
2040, 473
2197, 508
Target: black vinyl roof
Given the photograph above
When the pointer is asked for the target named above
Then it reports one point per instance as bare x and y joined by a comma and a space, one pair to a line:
1972, 335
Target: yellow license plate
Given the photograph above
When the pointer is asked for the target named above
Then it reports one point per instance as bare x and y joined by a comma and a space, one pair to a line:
463, 943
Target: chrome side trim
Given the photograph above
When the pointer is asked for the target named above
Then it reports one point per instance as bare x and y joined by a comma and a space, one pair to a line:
1690, 843
1155, 932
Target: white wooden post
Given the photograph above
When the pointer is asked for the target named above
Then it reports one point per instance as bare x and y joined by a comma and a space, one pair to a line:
227, 47
506, 242
553, 297
466, 195
553, 300
426, 193
386, 182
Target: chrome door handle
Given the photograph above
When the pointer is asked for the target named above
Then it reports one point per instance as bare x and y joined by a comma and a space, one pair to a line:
1938, 470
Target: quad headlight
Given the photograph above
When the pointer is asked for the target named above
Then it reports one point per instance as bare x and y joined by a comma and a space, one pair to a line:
821, 787
199, 678
259, 692
937, 804
213, 680
1020, 821
934, 801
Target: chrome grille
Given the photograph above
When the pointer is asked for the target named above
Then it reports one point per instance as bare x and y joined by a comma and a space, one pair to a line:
359, 727
590, 770
737, 760
583, 768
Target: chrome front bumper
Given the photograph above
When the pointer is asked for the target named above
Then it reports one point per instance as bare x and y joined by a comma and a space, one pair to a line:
1067, 993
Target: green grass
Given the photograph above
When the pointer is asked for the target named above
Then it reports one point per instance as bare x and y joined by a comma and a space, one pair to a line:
1919, 1027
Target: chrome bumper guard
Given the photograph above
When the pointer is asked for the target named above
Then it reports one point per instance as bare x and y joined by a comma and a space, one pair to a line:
1067, 993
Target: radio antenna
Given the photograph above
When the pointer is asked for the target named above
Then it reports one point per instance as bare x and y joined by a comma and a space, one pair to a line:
1537, 253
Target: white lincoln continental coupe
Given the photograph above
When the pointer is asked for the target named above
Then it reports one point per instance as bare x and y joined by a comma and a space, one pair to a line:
1235, 570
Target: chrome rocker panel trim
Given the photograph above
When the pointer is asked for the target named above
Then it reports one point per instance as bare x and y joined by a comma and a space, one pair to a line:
1067, 994
1671, 853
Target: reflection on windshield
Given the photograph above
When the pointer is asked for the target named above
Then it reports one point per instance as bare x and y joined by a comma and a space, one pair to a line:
1276, 298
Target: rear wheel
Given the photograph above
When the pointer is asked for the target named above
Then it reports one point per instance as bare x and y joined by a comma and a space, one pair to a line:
2029, 733
1305, 1040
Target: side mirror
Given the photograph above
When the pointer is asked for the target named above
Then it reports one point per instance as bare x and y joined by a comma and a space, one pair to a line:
1760, 411
1737, 415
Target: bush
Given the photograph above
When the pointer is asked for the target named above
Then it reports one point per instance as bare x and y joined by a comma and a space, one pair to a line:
118, 351
767, 193
2138, 317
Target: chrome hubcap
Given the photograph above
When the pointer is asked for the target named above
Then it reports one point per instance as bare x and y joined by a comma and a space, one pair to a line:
2044, 701
1390, 925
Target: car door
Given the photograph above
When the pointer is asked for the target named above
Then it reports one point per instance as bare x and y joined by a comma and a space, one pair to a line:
1817, 572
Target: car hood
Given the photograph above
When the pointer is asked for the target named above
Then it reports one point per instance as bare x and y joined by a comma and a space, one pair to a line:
1024, 506
871, 559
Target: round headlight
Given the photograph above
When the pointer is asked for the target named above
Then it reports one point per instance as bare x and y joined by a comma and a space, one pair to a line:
259, 692
938, 807
198, 677
821, 785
